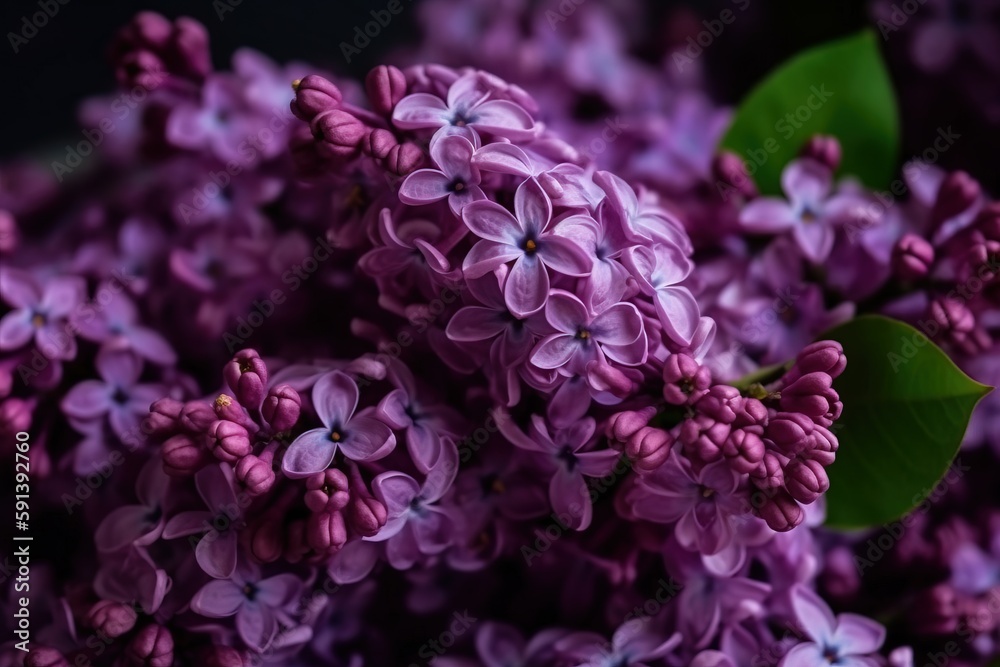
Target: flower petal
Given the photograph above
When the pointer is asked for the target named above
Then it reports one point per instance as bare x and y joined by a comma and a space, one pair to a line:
335, 398
218, 599
424, 186
420, 110
526, 287
368, 439
310, 453
490, 220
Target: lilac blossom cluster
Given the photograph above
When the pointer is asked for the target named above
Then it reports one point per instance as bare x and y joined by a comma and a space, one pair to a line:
469, 364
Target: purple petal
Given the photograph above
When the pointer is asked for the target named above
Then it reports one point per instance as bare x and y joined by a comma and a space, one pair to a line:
87, 400
815, 239
565, 312
256, 626
218, 599
335, 398
813, 614
490, 220
392, 409
532, 206
354, 562
18, 289
679, 313
310, 453
453, 154
16, 329
473, 323
424, 186
499, 645
858, 635
152, 346
767, 215
396, 490
804, 655
564, 256
187, 523
120, 368
526, 287
806, 182
420, 110
62, 295
620, 324
216, 553
504, 118
368, 439
570, 499
279, 590
123, 526
503, 159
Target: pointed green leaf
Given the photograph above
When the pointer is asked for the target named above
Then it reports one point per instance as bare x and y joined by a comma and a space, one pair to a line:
842, 89
906, 408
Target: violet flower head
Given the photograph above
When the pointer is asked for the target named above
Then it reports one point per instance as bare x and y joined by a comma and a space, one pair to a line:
526, 238
40, 314
115, 322
361, 437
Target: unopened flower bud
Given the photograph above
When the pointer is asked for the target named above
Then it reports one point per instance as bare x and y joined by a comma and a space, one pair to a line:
806, 480
256, 475
314, 95
282, 407
606, 378
267, 539
221, 656
113, 619
622, 425
183, 456
386, 86
227, 408
327, 491
246, 375
730, 170
326, 532
703, 438
365, 514
790, 432
721, 403
378, 143
164, 416
153, 646
912, 257
228, 441
403, 158
685, 380
751, 413
956, 323
196, 416
812, 395
770, 472
340, 132
15, 416
935, 611
42, 656
649, 447
780, 512
958, 191
743, 450
824, 149
823, 356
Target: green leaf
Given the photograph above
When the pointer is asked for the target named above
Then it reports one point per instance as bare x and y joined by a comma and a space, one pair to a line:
848, 87
906, 408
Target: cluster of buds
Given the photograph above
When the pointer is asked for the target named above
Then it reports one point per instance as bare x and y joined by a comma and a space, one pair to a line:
152, 46
343, 131
245, 429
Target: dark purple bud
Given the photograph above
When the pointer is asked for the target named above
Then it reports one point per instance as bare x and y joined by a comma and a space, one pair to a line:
327, 491
823, 356
282, 407
365, 514
770, 472
326, 532
743, 450
153, 646
824, 149
912, 257
622, 425
340, 132
703, 438
780, 512
8, 233
806, 480
226, 407
197, 416
164, 417
111, 618
221, 656
314, 95
730, 170
955, 322
296, 546
404, 158
183, 456
267, 538
812, 395
378, 143
605, 377
228, 441
935, 611
721, 403
790, 432
823, 445
42, 656
958, 191
256, 475
685, 380
246, 375
649, 447
386, 86
751, 413
190, 48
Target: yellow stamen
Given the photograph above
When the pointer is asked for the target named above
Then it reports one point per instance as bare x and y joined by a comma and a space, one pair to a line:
530, 245
335, 436
223, 401
498, 486
296, 84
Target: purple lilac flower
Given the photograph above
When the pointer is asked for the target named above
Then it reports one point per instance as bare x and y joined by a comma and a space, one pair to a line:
40, 314
456, 178
847, 639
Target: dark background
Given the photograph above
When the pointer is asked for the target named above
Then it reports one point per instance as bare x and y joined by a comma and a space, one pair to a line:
66, 60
